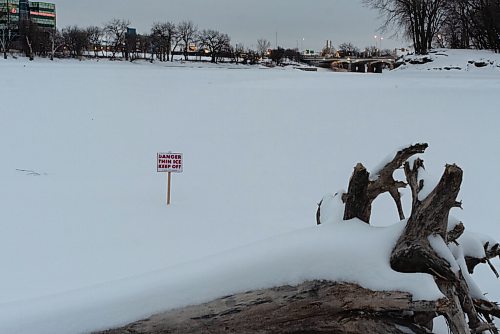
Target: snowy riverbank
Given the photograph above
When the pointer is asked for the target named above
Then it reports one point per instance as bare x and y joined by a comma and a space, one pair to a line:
86, 236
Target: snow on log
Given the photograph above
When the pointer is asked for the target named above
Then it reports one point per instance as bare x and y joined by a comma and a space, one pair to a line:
362, 191
311, 307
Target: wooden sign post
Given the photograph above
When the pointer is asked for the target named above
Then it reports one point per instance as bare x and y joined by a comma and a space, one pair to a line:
168, 187
169, 163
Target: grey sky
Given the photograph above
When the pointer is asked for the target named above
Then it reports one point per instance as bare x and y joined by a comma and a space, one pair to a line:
302, 23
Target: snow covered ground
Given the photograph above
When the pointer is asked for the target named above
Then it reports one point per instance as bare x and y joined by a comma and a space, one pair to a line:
482, 61
87, 241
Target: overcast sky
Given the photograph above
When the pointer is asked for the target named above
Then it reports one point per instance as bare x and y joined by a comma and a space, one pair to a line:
303, 23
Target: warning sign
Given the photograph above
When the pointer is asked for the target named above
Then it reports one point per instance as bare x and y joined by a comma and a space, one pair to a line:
169, 162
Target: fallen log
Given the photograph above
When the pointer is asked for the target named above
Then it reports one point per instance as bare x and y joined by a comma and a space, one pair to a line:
311, 307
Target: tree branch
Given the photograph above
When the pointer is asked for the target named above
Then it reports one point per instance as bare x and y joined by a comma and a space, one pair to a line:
491, 252
413, 252
457, 231
362, 192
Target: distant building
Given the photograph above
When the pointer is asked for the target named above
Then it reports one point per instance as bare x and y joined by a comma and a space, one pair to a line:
131, 31
9, 14
14, 12
24, 10
43, 14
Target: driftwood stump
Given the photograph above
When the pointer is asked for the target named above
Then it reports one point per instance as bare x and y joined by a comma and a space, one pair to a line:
428, 221
362, 191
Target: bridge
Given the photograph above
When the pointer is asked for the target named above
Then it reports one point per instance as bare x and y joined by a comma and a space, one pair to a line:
351, 64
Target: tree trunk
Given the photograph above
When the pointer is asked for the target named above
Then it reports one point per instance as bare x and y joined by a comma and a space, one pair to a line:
362, 191
357, 202
413, 252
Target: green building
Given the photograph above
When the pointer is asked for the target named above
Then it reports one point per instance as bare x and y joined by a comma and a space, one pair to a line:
43, 14
9, 14
13, 12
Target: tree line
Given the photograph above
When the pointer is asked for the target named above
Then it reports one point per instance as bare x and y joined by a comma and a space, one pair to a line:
443, 23
348, 49
116, 39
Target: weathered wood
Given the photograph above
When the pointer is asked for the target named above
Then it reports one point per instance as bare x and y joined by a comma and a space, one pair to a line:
429, 218
467, 304
357, 202
362, 191
487, 307
318, 213
490, 252
456, 233
413, 252
454, 314
311, 307
412, 179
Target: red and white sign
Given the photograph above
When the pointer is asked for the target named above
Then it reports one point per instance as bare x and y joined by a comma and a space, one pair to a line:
43, 14
169, 162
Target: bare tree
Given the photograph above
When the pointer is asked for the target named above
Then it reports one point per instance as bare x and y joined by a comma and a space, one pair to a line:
456, 29
251, 56
162, 37
421, 19
238, 51
5, 40
29, 47
40, 40
176, 40
215, 42
484, 23
263, 46
158, 41
76, 40
452, 23
144, 44
7, 27
95, 38
115, 31
277, 55
372, 51
187, 34
470, 23
348, 49
34, 38
56, 41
